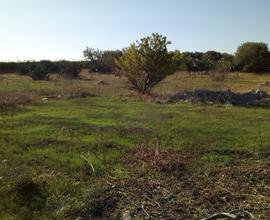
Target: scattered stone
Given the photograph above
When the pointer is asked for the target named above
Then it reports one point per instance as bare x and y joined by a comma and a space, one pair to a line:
72, 95
44, 99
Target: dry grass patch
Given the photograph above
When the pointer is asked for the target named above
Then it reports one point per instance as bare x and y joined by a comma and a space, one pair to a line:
11, 100
237, 82
171, 184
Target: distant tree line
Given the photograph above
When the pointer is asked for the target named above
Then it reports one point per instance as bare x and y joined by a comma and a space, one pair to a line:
146, 62
249, 57
8, 67
40, 70
197, 61
102, 61
95, 61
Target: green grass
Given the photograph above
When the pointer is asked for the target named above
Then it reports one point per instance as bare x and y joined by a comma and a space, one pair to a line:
51, 136
179, 125
46, 141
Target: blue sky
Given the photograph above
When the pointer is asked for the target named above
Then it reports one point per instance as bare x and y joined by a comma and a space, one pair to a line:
61, 29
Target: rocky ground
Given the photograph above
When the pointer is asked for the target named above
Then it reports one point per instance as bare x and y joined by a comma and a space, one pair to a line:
252, 98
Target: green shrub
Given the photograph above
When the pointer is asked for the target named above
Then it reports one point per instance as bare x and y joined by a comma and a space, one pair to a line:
36, 70
146, 62
69, 69
252, 57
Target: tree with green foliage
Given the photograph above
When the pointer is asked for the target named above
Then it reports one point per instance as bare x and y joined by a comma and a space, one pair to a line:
179, 61
252, 57
146, 62
69, 69
107, 63
194, 61
35, 70
211, 58
92, 54
223, 66
101, 61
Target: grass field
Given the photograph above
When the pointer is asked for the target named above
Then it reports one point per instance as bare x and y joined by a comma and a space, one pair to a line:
113, 155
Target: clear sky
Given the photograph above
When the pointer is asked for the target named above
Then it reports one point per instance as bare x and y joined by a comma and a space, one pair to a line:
61, 29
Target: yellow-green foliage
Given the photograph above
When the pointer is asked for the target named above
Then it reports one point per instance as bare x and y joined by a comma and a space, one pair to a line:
146, 63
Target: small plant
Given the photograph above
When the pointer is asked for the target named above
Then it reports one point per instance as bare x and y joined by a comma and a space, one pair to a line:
36, 70
87, 158
30, 193
101, 156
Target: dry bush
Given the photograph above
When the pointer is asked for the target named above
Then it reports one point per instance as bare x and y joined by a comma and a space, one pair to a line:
218, 76
167, 161
10, 100
86, 75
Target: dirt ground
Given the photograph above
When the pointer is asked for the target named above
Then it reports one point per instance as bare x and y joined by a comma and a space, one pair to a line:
170, 184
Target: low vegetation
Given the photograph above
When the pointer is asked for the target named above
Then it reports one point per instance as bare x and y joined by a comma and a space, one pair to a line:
10, 100
82, 145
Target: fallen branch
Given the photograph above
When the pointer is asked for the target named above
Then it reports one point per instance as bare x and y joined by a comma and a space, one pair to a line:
151, 200
221, 215
243, 213
147, 214
235, 214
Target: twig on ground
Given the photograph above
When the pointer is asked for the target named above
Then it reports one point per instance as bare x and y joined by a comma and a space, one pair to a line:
221, 215
244, 212
145, 211
152, 200
235, 214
